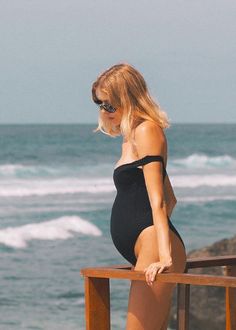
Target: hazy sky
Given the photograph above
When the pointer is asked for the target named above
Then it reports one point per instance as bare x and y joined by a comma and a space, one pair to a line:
52, 50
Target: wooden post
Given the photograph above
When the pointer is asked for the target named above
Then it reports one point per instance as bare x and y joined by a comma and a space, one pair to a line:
230, 300
97, 303
183, 298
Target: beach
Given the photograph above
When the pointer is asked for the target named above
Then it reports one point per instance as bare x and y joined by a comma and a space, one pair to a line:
56, 194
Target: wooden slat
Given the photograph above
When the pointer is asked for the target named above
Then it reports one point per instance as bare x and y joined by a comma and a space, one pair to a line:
97, 303
194, 279
191, 263
230, 300
211, 261
183, 296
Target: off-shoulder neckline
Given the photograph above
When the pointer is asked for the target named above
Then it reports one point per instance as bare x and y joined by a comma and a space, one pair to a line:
138, 160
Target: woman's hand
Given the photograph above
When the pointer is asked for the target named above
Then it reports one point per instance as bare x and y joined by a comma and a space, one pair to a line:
156, 268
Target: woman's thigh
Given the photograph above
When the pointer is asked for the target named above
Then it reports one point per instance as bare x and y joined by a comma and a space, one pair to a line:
149, 305
146, 250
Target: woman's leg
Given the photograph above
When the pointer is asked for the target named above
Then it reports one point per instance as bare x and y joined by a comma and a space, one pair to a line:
149, 306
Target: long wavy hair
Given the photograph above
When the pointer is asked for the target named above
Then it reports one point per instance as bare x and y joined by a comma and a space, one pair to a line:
126, 88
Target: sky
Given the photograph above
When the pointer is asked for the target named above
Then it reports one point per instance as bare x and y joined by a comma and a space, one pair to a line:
52, 51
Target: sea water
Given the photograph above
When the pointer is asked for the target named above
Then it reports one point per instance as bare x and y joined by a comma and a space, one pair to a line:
56, 194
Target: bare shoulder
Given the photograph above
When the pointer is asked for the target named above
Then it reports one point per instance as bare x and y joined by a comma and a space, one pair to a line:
150, 139
150, 128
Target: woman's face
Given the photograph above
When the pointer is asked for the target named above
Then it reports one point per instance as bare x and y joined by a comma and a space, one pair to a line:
115, 117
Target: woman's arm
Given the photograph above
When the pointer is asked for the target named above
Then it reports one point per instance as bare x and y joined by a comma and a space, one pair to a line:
150, 140
169, 196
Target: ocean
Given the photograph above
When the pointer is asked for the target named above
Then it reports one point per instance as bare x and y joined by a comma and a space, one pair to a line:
56, 194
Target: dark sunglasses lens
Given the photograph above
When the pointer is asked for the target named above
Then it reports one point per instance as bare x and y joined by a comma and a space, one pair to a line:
97, 101
107, 107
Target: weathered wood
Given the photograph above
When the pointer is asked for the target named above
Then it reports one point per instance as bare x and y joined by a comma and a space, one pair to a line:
97, 303
183, 296
230, 301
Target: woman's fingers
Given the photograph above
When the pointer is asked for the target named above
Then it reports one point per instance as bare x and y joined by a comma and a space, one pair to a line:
161, 269
150, 273
152, 270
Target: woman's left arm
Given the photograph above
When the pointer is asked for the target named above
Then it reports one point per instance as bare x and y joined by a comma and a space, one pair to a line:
150, 140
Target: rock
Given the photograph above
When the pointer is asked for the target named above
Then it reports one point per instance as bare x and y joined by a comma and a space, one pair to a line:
207, 303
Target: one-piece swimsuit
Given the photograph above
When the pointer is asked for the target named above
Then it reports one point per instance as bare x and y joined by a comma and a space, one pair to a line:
131, 210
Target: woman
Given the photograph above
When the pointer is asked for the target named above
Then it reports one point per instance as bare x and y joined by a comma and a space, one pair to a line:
140, 226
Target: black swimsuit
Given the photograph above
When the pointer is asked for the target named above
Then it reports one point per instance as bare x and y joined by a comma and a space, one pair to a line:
131, 211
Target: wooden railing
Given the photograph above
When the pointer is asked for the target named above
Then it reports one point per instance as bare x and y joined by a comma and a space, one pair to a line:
97, 289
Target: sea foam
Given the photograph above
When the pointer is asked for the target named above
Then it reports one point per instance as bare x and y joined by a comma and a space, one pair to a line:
21, 188
204, 161
206, 199
22, 170
60, 228
210, 180
34, 171
59, 170
26, 188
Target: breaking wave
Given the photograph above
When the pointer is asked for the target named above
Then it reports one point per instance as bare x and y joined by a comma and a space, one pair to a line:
60, 228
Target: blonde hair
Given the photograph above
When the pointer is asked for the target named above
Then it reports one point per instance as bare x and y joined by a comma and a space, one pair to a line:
126, 88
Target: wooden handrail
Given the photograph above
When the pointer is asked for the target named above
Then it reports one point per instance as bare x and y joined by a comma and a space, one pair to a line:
194, 279
191, 263
97, 291
211, 261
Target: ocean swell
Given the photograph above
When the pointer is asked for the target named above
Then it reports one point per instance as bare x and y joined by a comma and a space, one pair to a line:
60, 228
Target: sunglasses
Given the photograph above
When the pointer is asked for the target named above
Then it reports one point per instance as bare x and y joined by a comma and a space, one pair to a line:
106, 106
